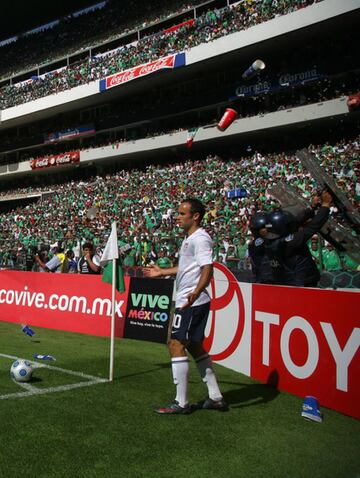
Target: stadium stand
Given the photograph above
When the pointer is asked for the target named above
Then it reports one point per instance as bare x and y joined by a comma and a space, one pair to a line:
124, 153
81, 31
208, 27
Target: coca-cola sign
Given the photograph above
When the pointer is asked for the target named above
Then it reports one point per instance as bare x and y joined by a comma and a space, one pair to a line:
55, 160
170, 62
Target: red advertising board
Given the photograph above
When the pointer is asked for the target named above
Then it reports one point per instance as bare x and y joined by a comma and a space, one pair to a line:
306, 341
139, 71
55, 160
309, 339
75, 303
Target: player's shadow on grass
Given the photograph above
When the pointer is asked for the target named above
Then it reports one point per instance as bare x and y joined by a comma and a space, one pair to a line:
253, 393
157, 366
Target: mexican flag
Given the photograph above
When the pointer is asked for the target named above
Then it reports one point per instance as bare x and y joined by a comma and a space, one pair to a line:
190, 136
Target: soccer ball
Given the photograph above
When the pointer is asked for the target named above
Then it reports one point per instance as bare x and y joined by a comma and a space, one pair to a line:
21, 371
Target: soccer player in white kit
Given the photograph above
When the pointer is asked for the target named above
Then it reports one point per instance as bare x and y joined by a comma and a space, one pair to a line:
193, 274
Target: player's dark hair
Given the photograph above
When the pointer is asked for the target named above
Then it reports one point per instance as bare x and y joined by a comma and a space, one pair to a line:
88, 245
195, 206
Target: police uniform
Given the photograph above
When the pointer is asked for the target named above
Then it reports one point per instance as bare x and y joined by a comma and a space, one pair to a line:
261, 264
296, 265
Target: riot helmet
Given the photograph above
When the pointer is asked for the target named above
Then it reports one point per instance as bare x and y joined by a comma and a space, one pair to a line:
258, 221
280, 223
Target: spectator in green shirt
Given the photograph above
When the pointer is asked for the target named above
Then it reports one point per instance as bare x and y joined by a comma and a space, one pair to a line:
232, 258
163, 261
316, 252
331, 259
130, 258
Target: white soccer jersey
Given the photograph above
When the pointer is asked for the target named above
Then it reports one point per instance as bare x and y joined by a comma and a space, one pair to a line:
196, 251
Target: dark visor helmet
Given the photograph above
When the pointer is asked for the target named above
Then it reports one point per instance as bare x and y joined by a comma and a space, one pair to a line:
258, 221
280, 223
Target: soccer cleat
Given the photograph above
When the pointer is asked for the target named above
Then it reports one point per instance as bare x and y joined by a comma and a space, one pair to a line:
210, 404
173, 409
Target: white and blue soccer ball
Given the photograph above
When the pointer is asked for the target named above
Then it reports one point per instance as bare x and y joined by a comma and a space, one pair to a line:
21, 370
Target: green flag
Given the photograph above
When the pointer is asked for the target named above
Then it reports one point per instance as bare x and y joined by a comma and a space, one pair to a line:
119, 277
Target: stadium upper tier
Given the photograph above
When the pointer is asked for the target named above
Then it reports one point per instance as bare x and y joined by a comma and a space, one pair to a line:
217, 50
210, 26
82, 31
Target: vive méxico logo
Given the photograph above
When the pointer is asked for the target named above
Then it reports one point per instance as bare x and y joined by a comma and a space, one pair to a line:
148, 307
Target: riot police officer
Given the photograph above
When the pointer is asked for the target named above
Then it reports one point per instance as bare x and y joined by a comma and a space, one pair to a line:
260, 261
287, 245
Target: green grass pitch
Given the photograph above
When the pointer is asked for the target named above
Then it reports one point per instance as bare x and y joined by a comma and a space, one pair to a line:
110, 430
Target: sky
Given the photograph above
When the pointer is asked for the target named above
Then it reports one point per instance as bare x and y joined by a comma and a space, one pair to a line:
20, 15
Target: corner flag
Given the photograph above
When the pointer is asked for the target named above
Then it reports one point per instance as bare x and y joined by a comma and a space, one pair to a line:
112, 274
110, 254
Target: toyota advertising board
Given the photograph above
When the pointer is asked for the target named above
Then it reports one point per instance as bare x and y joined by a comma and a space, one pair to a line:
308, 340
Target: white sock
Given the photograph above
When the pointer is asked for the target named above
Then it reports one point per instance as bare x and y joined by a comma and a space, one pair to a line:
204, 365
180, 371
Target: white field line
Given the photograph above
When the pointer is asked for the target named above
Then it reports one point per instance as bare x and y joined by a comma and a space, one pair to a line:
52, 367
27, 386
32, 390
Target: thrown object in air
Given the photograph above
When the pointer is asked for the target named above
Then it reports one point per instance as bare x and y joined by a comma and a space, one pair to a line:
92, 212
228, 117
254, 69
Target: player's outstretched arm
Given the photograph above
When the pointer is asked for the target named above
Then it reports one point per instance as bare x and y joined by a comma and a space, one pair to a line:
156, 271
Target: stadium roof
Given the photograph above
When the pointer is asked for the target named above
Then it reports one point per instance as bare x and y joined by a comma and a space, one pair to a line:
23, 15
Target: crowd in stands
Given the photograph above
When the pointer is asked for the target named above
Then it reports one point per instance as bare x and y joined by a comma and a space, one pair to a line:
144, 204
77, 33
206, 28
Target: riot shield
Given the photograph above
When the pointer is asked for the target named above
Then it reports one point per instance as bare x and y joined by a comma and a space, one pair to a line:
324, 181
340, 236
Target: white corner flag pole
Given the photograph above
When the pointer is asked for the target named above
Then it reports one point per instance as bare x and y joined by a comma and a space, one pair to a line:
110, 254
112, 334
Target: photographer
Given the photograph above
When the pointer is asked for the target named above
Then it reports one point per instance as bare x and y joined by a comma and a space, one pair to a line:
31, 263
58, 263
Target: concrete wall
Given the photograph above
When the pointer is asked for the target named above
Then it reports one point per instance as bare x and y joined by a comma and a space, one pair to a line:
49, 102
